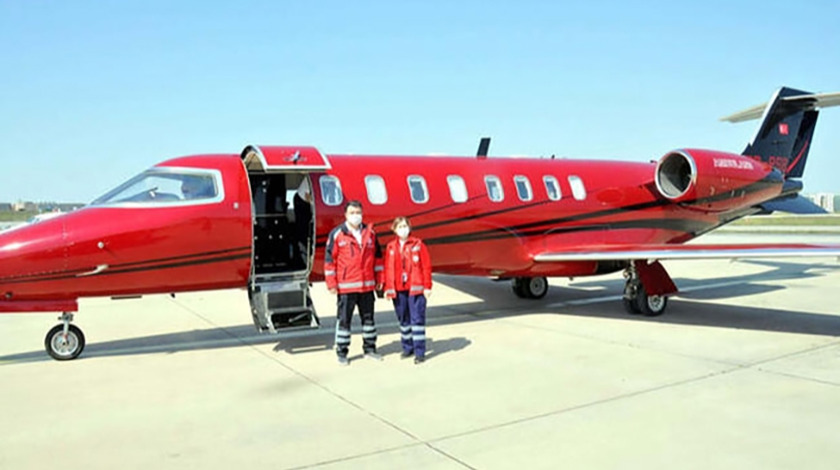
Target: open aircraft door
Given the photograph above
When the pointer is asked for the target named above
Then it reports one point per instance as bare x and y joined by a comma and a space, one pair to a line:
283, 215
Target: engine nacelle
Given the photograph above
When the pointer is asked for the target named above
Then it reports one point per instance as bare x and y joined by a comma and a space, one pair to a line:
715, 181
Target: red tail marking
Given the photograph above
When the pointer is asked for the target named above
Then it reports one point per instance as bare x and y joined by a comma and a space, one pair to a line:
796, 160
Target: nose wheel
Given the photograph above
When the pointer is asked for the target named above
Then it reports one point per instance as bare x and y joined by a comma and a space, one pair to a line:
530, 287
64, 341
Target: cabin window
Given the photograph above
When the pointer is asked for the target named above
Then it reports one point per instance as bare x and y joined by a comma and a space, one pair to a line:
578, 189
376, 192
331, 190
523, 188
552, 188
494, 188
166, 186
417, 188
457, 188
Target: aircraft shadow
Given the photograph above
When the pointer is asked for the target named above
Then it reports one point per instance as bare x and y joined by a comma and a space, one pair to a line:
434, 347
498, 302
291, 342
686, 309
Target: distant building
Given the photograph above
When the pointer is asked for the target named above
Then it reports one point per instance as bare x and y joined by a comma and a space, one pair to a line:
828, 201
29, 206
59, 206
24, 206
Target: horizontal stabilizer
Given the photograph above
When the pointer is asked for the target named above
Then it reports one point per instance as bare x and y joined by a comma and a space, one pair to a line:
805, 102
688, 252
793, 205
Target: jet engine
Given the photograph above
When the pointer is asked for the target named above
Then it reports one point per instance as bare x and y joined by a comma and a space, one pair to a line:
711, 180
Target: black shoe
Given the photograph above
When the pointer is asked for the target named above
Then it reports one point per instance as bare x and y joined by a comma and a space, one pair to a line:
343, 361
419, 360
406, 355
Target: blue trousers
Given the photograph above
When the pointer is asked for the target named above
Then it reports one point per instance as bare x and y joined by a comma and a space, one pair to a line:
411, 313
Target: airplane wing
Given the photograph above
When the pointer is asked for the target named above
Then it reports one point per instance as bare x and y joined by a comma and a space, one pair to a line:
688, 252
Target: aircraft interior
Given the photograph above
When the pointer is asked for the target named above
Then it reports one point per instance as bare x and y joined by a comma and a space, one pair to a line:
283, 222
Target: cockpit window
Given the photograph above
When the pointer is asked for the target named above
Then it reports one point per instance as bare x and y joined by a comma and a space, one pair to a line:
164, 185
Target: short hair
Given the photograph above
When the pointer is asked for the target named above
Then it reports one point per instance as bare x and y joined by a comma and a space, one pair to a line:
353, 203
400, 220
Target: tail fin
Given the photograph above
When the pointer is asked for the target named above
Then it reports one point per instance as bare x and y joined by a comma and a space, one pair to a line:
784, 137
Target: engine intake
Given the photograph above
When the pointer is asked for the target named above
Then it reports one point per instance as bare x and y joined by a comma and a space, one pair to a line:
675, 174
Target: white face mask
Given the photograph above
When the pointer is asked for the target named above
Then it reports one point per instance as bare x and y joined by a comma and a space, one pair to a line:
402, 232
355, 219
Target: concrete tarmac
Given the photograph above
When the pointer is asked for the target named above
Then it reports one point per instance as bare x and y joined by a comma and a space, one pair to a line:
742, 371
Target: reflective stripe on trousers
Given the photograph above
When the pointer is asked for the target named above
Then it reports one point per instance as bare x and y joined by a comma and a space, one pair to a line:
347, 303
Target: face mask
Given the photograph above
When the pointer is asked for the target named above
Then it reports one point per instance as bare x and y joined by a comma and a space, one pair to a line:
355, 219
402, 232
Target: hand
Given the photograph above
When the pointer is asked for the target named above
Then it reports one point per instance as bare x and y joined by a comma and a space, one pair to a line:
427, 293
333, 291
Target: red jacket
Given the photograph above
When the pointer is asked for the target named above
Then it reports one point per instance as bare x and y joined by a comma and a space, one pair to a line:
350, 267
409, 270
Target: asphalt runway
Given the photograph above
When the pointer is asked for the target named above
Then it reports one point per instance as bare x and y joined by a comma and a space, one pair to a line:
742, 371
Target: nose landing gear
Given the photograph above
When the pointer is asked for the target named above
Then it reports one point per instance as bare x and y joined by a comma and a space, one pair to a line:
65, 341
530, 287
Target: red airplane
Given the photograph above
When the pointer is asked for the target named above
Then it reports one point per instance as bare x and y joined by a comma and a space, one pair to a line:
259, 219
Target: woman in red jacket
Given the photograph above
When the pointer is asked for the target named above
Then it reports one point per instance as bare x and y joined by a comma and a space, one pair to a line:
408, 282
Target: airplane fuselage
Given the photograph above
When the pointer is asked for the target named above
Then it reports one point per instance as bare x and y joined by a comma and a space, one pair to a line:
486, 217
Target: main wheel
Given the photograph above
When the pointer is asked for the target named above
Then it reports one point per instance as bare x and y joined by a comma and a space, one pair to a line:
518, 286
64, 348
651, 305
536, 287
630, 299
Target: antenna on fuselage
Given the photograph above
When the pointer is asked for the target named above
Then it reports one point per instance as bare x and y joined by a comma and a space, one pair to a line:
483, 147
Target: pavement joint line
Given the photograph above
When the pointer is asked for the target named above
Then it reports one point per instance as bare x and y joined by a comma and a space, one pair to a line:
378, 452
327, 389
736, 368
807, 350
799, 377
628, 345
582, 406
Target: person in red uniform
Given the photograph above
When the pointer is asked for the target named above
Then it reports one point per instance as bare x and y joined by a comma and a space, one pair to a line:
353, 270
408, 282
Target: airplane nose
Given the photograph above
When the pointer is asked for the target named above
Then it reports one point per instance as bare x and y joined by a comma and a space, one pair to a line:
30, 255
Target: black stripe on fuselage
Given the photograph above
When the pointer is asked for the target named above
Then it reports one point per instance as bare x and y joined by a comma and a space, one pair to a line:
161, 263
548, 224
677, 225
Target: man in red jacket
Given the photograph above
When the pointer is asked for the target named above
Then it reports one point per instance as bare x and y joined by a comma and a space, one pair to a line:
353, 270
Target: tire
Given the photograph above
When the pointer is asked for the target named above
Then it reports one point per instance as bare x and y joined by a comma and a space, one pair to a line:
518, 287
630, 298
535, 287
630, 306
651, 305
58, 349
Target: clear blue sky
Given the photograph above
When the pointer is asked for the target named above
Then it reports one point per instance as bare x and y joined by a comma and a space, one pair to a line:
93, 92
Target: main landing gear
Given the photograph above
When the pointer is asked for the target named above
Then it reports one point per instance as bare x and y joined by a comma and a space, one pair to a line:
646, 289
65, 341
530, 287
